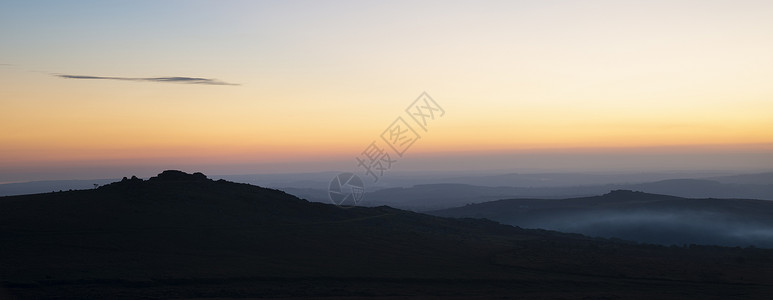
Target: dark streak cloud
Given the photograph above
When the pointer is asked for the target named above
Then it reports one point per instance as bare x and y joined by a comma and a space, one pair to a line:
176, 79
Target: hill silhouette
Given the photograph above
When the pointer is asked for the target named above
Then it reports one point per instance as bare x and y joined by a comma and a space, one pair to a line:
180, 235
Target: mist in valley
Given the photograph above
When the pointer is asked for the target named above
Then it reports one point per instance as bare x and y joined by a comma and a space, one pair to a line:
665, 228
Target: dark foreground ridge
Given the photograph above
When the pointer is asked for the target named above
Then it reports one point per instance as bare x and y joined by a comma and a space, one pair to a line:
184, 236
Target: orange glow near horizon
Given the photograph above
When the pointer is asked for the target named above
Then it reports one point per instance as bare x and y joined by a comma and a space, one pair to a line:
512, 77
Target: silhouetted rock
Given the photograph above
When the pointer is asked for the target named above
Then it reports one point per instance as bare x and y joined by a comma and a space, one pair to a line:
133, 179
174, 175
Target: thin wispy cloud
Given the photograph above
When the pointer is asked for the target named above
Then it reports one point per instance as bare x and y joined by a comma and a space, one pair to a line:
175, 79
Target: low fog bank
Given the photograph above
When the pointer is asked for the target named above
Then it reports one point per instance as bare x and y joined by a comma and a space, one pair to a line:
637, 216
658, 227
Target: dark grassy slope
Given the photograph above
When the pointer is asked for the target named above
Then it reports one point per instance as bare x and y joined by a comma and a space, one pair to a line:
185, 236
638, 216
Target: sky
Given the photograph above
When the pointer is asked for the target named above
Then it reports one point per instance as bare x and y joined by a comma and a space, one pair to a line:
105, 89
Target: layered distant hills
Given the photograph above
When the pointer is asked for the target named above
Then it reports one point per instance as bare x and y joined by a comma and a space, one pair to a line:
184, 236
428, 197
423, 194
433, 191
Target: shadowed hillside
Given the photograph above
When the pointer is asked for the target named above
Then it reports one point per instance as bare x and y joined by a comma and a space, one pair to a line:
182, 235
